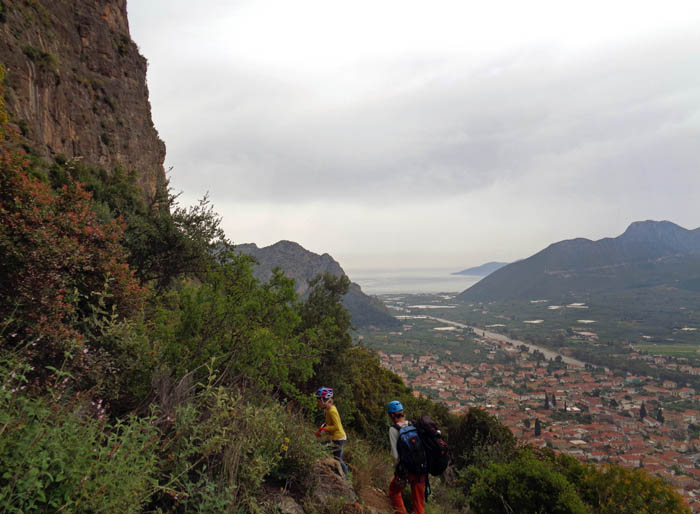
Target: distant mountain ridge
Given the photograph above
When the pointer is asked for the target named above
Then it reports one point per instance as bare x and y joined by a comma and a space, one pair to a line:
303, 265
648, 254
483, 270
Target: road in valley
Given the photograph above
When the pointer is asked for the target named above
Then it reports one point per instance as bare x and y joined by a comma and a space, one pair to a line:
549, 354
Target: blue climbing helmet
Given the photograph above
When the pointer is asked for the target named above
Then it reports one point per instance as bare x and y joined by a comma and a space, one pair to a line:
394, 407
324, 393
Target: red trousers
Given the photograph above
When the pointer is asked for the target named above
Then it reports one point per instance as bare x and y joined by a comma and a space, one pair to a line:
417, 494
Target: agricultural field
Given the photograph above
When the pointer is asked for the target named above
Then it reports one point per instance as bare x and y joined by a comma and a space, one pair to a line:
674, 350
594, 331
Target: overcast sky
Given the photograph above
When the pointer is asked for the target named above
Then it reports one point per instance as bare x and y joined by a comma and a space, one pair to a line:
428, 133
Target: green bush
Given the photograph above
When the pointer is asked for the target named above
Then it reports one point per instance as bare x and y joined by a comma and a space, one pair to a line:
478, 438
248, 330
58, 456
116, 359
523, 486
44, 60
221, 446
612, 489
299, 450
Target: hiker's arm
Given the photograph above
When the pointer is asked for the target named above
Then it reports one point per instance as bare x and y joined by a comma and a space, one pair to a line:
393, 439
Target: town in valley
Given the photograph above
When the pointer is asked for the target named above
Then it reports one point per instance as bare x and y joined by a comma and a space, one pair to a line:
549, 399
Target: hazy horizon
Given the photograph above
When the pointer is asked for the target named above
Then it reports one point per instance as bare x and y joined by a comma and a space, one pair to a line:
381, 281
413, 134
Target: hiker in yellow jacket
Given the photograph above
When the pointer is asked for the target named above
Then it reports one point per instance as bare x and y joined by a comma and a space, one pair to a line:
333, 426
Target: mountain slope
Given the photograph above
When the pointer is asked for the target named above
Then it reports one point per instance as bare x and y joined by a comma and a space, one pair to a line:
303, 265
76, 85
483, 270
647, 254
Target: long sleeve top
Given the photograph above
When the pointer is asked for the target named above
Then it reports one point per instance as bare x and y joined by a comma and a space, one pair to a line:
333, 425
393, 439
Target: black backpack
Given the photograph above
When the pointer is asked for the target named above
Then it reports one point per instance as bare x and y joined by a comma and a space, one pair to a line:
436, 450
412, 456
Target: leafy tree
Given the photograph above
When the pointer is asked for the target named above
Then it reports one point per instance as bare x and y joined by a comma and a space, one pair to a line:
164, 240
370, 386
478, 438
325, 327
525, 485
170, 241
247, 331
660, 415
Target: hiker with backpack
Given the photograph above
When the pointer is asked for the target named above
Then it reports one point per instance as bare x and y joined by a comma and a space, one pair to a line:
333, 426
409, 458
418, 449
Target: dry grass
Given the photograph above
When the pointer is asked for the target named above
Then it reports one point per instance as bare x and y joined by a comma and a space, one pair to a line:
371, 468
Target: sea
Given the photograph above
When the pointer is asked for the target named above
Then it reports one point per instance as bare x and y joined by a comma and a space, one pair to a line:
410, 281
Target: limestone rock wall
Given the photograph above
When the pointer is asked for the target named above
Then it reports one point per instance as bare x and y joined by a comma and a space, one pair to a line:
76, 84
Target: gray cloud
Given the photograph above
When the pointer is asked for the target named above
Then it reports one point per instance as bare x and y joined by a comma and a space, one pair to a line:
606, 135
259, 137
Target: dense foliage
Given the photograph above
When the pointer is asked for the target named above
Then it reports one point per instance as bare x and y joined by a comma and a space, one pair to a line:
523, 485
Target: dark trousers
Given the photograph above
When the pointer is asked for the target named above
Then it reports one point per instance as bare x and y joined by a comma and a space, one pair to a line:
337, 451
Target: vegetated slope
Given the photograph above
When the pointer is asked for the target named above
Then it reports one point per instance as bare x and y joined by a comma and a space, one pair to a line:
648, 254
303, 265
483, 270
76, 85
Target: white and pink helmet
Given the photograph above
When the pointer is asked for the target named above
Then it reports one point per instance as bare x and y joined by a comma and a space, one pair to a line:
324, 393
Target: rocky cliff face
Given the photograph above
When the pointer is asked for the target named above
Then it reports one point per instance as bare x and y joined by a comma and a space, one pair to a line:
76, 84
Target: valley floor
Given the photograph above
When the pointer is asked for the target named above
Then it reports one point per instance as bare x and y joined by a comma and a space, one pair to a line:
546, 399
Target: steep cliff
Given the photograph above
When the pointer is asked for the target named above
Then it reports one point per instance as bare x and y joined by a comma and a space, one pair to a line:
76, 84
